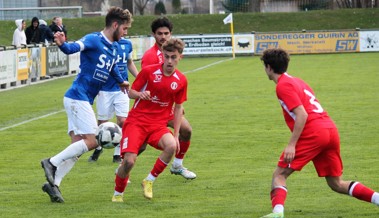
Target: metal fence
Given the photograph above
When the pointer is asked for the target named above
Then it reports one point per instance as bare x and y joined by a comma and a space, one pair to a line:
46, 13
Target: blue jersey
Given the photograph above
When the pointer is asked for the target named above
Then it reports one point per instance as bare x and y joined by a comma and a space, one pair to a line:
124, 50
97, 64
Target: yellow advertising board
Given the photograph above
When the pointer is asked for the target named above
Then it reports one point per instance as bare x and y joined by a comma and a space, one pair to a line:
43, 61
308, 42
22, 64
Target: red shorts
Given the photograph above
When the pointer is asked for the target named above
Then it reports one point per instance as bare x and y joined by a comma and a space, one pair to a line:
323, 148
135, 134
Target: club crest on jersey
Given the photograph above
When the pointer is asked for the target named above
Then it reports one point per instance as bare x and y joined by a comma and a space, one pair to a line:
158, 78
123, 47
174, 85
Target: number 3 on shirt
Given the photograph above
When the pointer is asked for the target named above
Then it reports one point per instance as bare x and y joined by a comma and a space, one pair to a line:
313, 101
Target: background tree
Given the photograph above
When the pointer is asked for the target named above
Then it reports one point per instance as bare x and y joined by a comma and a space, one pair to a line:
128, 4
177, 6
242, 5
255, 5
141, 5
357, 3
160, 8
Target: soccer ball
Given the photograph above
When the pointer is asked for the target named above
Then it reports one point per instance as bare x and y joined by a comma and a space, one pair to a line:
108, 135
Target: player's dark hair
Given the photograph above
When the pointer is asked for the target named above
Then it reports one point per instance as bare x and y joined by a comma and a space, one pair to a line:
161, 22
119, 15
173, 44
277, 58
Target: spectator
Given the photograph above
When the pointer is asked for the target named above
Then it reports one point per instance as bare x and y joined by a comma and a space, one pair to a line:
45, 35
57, 26
32, 32
19, 37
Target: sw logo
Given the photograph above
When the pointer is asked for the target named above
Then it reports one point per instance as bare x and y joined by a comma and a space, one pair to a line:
347, 45
261, 46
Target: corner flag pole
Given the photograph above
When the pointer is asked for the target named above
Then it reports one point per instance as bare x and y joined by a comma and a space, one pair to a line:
229, 19
232, 32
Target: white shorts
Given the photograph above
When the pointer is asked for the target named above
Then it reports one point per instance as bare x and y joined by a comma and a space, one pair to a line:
109, 103
80, 115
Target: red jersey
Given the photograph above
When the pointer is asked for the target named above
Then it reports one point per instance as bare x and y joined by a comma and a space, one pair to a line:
164, 92
293, 92
152, 56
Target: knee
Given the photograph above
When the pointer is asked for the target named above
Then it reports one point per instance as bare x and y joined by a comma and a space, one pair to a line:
170, 148
91, 142
185, 132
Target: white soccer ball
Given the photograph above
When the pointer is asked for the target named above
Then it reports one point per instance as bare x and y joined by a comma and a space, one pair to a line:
108, 135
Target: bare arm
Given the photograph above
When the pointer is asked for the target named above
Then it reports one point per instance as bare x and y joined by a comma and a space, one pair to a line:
144, 95
301, 119
132, 67
178, 116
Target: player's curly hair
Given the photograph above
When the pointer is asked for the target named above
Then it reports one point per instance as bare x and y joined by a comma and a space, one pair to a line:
173, 44
121, 16
161, 22
277, 58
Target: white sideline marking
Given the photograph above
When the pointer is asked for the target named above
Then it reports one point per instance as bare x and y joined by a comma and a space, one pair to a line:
27, 121
53, 113
209, 65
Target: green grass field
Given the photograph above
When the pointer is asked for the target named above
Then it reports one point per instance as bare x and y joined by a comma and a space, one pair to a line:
238, 134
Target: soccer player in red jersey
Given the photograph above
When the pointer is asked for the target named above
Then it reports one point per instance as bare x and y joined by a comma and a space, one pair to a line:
156, 90
314, 136
162, 29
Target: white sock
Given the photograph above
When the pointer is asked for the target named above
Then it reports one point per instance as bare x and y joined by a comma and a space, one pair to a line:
74, 150
278, 208
117, 150
150, 177
375, 198
63, 169
118, 193
99, 147
177, 162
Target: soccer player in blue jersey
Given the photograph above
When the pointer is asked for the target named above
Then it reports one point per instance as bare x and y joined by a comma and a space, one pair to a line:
97, 64
111, 100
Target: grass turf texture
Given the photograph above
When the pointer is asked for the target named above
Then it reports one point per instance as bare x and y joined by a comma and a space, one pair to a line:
238, 134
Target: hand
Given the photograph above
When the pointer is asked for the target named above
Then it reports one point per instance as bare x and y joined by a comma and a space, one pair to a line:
145, 95
289, 153
177, 145
125, 87
59, 38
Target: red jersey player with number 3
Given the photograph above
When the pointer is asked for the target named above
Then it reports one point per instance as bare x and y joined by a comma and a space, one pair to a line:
156, 90
314, 136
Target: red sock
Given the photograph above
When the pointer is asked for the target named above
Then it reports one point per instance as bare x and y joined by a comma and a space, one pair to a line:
184, 145
278, 195
158, 168
120, 183
360, 191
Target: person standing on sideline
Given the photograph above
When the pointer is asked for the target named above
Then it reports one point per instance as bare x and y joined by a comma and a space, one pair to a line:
156, 90
32, 32
97, 63
314, 136
57, 26
19, 37
161, 29
46, 35
111, 100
